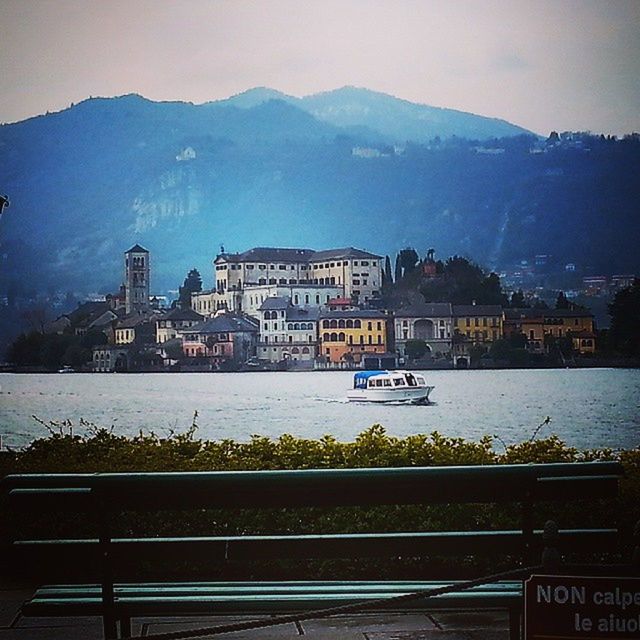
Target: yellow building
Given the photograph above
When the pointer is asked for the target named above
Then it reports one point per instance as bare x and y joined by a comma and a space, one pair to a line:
346, 336
576, 323
537, 325
478, 323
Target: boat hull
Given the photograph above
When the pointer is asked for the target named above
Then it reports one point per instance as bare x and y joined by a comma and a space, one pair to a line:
412, 395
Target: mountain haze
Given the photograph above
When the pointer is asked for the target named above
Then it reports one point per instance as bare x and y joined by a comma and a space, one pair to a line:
397, 120
343, 168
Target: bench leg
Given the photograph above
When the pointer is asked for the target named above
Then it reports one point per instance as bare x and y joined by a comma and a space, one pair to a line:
125, 627
110, 627
515, 624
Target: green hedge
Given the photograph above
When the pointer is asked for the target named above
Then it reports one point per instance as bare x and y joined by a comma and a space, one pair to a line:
103, 450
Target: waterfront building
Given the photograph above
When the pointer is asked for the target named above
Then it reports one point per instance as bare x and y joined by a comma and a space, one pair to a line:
137, 327
168, 325
357, 273
347, 336
227, 338
136, 279
107, 358
577, 323
528, 323
478, 323
249, 300
305, 296
430, 322
287, 332
537, 325
86, 318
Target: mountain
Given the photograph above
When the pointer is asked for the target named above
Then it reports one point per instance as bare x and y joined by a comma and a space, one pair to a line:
260, 169
397, 120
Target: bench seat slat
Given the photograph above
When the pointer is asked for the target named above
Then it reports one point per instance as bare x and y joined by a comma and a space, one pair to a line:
218, 598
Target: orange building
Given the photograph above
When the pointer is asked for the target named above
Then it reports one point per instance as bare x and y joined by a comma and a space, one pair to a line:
348, 335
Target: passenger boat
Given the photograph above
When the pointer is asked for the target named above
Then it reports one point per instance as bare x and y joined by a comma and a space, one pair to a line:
389, 386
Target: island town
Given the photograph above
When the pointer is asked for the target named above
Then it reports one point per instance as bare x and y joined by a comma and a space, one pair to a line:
288, 308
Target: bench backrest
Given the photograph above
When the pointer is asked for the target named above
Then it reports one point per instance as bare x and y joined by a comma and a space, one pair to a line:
103, 496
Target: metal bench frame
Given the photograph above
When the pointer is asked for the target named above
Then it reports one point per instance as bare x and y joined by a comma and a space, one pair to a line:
104, 496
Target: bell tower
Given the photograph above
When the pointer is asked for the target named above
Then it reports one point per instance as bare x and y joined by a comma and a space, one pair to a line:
136, 279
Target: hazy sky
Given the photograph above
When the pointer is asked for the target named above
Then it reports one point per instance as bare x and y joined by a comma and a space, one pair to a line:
542, 64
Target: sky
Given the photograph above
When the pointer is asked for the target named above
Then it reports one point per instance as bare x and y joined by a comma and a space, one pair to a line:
542, 64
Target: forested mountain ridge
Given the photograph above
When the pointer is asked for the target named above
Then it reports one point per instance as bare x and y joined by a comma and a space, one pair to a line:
87, 183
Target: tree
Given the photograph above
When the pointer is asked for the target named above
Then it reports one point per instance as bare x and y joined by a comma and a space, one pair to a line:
562, 302
415, 349
398, 270
388, 274
625, 311
192, 284
517, 300
408, 259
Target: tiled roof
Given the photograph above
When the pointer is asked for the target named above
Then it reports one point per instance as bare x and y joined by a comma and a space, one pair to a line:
225, 323
278, 254
135, 320
477, 310
137, 249
297, 314
88, 309
347, 252
524, 314
567, 313
357, 313
275, 302
182, 314
426, 310
268, 254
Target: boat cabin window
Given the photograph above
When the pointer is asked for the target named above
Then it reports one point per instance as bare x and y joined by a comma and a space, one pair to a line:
411, 380
387, 382
421, 380
398, 382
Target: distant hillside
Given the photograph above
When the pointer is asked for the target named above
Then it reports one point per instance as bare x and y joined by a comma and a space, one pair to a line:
90, 181
397, 120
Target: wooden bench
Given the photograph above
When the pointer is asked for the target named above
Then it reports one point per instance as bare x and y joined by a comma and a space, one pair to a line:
103, 500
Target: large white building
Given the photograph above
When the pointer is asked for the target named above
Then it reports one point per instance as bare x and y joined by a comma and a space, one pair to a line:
358, 273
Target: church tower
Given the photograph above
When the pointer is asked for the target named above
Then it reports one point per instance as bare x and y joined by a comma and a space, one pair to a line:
136, 279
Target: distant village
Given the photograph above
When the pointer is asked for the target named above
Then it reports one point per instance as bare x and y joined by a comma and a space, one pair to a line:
283, 308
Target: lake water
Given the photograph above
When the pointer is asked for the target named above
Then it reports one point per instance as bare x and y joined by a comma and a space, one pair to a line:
588, 407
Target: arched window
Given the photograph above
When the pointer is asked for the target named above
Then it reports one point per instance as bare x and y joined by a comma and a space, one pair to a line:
349, 324
325, 324
290, 327
357, 324
295, 350
341, 324
321, 281
334, 324
341, 337
296, 326
326, 337
334, 337
305, 349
